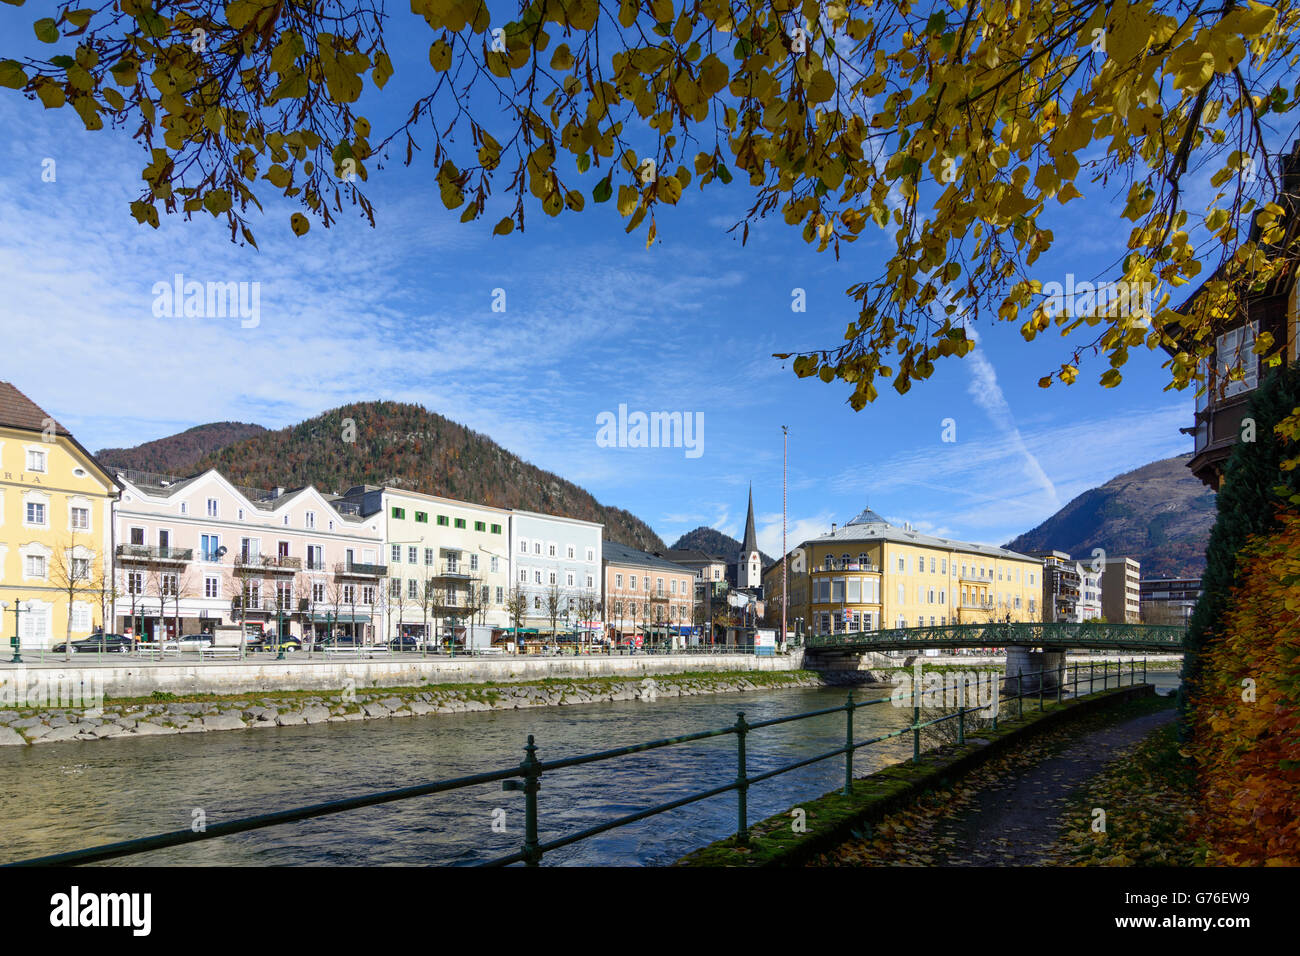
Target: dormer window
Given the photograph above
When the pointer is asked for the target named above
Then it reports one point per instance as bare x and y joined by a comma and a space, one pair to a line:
36, 460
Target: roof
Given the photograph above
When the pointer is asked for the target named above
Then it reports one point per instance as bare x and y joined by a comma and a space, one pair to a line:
869, 526
615, 553
750, 544
19, 411
691, 554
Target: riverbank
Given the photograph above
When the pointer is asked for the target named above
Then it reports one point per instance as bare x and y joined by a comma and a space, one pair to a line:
124, 676
164, 713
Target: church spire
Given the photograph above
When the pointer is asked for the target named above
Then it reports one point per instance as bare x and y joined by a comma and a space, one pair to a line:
750, 544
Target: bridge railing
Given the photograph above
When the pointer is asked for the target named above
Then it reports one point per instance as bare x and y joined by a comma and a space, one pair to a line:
527, 776
1000, 634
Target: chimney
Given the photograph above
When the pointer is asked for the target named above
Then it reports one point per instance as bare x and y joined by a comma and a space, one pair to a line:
832, 527
278, 493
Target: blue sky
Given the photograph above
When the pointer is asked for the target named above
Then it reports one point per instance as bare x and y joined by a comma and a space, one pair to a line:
593, 320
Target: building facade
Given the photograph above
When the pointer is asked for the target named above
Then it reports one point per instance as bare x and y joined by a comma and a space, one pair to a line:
555, 570
645, 595
193, 553
1121, 593
871, 574
448, 561
56, 528
1168, 600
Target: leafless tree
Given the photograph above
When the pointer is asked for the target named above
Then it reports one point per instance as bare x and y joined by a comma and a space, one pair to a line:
72, 574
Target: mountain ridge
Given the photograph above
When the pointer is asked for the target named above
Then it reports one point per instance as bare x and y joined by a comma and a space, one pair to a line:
1159, 514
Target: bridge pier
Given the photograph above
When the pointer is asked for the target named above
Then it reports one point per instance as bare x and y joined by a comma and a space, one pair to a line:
1023, 659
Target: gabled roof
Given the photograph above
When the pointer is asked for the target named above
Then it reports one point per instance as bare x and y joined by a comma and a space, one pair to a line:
19, 411
615, 553
869, 526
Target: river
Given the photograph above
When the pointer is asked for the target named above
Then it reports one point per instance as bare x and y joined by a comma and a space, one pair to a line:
76, 794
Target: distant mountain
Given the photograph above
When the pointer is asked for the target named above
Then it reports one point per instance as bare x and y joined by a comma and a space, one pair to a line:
714, 542
178, 453
1159, 514
407, 446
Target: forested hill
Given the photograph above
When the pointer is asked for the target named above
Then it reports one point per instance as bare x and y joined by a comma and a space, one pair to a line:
408, 446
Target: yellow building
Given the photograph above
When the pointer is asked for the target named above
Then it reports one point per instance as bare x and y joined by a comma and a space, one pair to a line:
871, 574
56, 527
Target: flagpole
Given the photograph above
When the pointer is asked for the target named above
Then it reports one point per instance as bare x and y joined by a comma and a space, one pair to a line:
785, 588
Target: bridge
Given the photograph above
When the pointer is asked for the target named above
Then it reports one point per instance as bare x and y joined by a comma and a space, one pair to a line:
1034, 650
1056, 636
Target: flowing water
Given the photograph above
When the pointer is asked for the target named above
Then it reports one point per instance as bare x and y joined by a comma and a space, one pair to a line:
77, 794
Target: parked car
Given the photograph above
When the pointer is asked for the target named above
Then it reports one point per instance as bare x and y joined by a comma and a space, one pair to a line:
269, 643
98, 643
405, 643
188, 642
340, 640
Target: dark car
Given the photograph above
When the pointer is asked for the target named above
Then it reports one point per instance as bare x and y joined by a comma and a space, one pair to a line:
98, 643
404, 643
340, 640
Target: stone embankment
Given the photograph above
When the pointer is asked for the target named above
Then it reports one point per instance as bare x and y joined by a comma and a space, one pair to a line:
152, 717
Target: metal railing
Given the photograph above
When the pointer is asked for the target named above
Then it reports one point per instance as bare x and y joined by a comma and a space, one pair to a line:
526, 778
1002, 634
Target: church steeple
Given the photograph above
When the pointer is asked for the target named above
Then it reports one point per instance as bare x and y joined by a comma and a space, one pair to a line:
749, 566
750, 544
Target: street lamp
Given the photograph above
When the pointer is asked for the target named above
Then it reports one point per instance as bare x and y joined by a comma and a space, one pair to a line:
15, 640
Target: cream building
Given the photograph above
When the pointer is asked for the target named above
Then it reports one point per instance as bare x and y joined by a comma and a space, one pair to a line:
871, 574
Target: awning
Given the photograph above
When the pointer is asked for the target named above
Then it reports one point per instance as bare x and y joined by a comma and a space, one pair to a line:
340, 619
522, 630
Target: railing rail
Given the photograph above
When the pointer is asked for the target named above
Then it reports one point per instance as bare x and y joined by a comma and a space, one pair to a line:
1002, 634
526, 777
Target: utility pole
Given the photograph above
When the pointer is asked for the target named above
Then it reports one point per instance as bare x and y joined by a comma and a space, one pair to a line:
785, 583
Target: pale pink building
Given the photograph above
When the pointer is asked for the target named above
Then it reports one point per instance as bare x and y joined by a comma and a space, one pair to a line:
192, 553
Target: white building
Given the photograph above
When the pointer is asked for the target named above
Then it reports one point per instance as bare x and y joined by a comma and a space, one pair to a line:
555, 559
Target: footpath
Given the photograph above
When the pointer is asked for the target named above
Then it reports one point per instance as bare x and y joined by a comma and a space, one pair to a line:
1009, 812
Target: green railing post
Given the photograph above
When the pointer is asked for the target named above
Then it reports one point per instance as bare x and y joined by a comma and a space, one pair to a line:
742, 782
1060, 678
1020, 693
961, 724
848, 743
997, 709
1091, 666
916, 729
1042, 672
532, 783
1132, 671
1144, 669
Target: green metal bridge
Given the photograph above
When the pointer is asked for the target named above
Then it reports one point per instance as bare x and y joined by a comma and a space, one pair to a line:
1059, 636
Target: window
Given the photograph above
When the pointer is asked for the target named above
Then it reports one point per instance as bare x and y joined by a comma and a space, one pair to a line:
496, 529
412, 591
591, 554
932, 565
591, 582
412, 555
35, 566
395, 553
212, 507
500, 595
1233, 349
35, 460
537, 577
537, 547
618, 581
80, 519
550, 577
211, 587
317, 593
137, 536
36, 513
495, 564
442, 521
480, 526
568, 579
659, 586
550, 551
395, 588
315, 557
473, 562
422, 517
523, 546
311, 519
350, 594
943, 566
902, 567
570, 552
185, 507
428, 557
399, 512
632, 578
460, 522
523, 576
135, 582
80, 569
209, 546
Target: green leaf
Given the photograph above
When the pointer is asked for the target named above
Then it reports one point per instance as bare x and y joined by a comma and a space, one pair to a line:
603, 190
46, 31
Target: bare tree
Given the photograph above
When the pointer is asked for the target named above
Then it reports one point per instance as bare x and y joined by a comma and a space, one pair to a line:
517, 609
71, 573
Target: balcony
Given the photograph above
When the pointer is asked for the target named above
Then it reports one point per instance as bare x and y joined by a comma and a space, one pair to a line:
353, 570
452, 570
144, 552
841, 566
